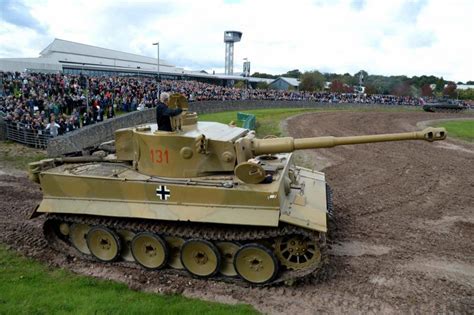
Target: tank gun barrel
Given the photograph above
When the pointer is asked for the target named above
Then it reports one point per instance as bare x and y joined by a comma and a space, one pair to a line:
289, 144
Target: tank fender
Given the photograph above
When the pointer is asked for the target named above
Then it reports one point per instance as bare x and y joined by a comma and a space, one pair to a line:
35, 213
307, 202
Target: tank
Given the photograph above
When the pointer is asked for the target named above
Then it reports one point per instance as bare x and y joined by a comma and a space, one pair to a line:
208, 199
444, 106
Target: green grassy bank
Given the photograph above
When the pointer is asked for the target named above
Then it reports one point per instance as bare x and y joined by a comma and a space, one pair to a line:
27, 287
462, 129
268, 120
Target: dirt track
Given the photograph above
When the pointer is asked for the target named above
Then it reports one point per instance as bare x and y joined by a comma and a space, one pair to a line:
404, 241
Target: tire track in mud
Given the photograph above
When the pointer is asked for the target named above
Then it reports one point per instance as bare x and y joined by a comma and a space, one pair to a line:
403, 243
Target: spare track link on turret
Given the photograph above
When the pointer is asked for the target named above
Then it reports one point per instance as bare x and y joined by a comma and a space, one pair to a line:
186, 230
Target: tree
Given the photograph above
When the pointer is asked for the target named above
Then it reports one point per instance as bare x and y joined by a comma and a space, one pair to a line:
350, 80
340, 87
421, 81
312, 81
262, 85
450, 90
263, 75
370, 89
440, 85
467, 94
426, 90
240, 85
402, 89
337, 86
293, 74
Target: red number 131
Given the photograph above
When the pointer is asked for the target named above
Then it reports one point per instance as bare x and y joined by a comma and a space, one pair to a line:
159, 156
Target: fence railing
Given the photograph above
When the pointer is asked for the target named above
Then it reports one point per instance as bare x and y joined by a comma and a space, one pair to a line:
21, 133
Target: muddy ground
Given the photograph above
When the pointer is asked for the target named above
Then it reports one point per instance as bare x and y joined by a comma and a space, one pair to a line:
404, 241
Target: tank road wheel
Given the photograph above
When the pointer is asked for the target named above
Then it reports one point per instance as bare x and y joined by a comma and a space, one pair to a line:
103, 243
149, 250
227, 250
256, 264
201, 258
297, 251
126, 237
64, 229
174, 245
78, 235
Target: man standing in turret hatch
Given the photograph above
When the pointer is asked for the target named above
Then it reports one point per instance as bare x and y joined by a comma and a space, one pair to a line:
163, 113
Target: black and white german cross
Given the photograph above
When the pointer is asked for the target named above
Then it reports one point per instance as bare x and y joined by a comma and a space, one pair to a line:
163, 192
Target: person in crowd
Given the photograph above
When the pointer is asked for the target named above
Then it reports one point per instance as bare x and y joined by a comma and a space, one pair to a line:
53, 128
70, 125
110, 112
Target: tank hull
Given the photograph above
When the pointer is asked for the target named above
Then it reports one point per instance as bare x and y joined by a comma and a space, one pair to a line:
439, 107
117, 203
118, 191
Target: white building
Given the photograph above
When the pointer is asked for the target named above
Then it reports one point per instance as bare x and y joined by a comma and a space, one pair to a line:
284, 83
465, 86
74, 58
62, 55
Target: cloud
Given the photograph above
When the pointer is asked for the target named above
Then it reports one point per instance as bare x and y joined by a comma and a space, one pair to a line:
421, 39
358, 4
16, 13
381, 37
411, 9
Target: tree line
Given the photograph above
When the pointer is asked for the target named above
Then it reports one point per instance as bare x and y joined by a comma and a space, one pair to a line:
427, 86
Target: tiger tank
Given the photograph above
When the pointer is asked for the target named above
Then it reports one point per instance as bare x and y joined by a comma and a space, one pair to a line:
206, 199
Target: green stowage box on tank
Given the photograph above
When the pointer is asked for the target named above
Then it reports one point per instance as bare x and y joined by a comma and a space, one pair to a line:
208, 198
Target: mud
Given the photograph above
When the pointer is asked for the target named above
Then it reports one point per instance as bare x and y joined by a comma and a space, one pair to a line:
403, 243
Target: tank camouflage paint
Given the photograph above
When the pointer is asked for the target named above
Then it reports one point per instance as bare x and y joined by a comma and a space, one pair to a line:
208, 197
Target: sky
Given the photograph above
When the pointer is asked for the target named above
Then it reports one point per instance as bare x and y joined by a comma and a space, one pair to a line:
385, 37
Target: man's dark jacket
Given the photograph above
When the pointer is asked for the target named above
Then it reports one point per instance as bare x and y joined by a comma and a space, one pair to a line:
163, 114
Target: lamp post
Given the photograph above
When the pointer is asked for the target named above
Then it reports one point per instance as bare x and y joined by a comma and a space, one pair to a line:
246, 72
87, 87
157, 69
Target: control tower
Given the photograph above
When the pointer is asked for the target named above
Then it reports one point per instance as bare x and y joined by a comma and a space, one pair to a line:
230, 37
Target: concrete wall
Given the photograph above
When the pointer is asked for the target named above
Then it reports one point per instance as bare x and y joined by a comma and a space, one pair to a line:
3, 131
95, 134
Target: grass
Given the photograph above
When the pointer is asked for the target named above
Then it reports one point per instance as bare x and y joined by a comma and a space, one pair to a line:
27, 287
462, 129
14, 155
268, 120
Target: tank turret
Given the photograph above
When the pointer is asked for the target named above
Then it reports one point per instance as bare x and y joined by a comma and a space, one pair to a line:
202, 148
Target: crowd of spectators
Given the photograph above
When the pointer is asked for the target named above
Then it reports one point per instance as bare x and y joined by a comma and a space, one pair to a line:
59, 103
198, 91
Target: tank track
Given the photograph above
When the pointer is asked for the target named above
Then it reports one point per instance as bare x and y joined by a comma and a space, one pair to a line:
186, 230
330, 205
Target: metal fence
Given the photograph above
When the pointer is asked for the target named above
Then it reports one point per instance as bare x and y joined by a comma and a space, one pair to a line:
19, 132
